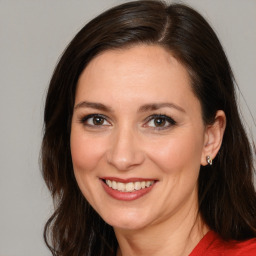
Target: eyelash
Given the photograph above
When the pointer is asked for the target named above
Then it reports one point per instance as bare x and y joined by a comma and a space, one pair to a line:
84, 120
165, 118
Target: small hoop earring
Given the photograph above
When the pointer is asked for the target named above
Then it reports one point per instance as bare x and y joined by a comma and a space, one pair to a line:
209, 160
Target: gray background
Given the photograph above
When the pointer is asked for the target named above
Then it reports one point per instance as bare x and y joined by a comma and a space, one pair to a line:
33, 34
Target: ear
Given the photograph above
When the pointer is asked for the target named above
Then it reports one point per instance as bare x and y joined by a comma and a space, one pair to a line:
213, 137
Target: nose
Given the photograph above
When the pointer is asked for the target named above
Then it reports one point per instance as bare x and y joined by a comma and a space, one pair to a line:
125, 150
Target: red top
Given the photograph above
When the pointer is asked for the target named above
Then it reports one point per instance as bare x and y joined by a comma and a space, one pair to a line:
212, 245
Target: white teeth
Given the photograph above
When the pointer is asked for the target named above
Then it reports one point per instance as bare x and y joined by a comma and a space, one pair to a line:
120, 186
130, 186
137, 185
114, 185
109, 183
148, 184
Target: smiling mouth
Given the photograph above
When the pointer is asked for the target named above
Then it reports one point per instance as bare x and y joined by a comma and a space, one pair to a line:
129, 186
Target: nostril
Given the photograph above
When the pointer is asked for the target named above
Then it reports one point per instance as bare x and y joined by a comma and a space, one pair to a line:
125, 159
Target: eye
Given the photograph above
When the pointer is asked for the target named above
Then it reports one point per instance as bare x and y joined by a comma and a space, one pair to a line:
95, 120
160, 121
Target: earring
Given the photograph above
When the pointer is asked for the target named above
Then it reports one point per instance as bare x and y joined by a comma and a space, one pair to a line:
209, 160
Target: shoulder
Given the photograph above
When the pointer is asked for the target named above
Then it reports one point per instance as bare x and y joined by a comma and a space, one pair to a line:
212, 245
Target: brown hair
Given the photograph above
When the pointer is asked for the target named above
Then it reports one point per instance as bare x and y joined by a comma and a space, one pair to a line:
227, 199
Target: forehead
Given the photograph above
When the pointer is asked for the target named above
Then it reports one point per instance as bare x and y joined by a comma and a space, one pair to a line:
143, 72
135, 61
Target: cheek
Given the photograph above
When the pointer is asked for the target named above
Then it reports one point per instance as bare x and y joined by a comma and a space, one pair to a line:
86, 151
179, 151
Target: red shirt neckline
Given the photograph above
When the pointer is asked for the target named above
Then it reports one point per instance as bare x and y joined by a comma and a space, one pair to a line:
212, 244
204, 243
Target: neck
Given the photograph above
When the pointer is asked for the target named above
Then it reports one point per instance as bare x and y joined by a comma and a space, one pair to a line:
177, 236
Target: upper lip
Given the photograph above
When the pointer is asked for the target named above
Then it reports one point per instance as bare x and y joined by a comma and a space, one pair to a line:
133, 179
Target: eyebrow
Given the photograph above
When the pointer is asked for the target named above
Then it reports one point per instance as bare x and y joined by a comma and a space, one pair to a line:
99, 106
156, 106
143, 108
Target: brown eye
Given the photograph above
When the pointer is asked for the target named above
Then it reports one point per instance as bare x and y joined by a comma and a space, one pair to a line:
97, 120
159, 122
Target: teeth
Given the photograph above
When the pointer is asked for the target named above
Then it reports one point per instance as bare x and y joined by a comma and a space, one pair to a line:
130, 186
137, 185
120, 186
148, 184
114, 185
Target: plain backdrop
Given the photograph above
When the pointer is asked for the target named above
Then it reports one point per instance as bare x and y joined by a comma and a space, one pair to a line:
33, 34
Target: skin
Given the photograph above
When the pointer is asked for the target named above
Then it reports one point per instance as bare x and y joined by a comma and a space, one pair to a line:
129, 144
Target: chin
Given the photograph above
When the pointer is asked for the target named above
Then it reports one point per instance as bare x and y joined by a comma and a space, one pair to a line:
128, 225
127, 221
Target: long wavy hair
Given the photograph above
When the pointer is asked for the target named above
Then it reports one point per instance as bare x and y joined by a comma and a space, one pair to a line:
227, 199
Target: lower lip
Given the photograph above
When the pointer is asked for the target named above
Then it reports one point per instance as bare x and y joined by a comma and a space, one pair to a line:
126, 196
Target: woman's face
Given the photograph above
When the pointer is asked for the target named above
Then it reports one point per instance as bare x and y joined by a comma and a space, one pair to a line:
137, 137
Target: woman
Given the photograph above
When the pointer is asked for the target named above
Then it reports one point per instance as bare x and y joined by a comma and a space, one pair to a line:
144, 151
